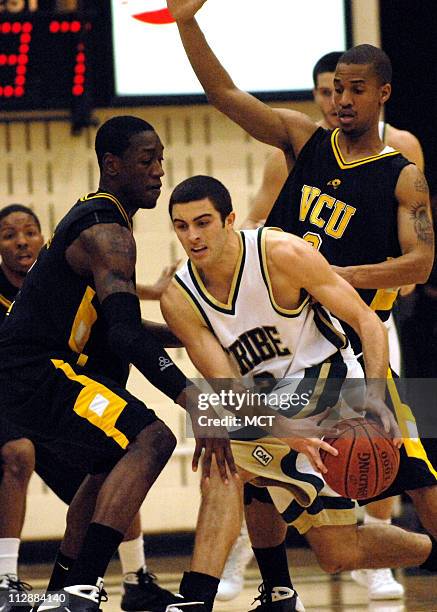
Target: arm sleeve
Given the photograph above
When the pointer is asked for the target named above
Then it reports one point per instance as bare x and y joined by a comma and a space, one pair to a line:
131, 341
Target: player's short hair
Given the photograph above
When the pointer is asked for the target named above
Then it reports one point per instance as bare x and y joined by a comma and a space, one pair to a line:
327, 63
368, 54
13, 208
114, 135
200, 187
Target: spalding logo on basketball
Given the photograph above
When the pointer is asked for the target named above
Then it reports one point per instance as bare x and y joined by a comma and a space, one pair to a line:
148, 11
367, 461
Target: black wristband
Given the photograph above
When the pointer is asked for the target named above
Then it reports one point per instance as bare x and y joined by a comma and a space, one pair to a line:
128, 338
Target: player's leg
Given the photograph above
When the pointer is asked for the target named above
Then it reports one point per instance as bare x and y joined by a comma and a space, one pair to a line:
101, 427
348, 547
267, 531
232, 579
218, 524
381, 583
425, 503
16, 466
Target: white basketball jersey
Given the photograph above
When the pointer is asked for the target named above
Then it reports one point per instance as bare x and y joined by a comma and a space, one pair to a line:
260, 336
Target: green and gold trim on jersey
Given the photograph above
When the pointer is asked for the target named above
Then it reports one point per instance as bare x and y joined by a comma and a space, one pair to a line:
108, 196
193, 301
229, 306
344, 165
5, 302
262, 253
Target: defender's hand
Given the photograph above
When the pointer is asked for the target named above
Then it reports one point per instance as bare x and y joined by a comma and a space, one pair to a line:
184, 10
376, 407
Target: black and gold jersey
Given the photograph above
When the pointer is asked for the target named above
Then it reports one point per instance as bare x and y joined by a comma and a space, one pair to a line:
57, 314
347, 210
8, 291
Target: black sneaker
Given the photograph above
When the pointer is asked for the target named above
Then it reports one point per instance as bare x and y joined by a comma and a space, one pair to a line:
140, 593
279, 599
13, 594
75, 598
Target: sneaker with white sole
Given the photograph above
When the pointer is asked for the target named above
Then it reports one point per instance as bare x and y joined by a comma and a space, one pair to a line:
232, 580
279, 599
13, 593
380, 583
75, 598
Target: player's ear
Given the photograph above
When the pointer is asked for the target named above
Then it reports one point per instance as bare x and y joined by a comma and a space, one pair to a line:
230, 219
385, 92
111, 164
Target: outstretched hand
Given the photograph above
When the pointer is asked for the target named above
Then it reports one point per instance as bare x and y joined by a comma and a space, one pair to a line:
183, 10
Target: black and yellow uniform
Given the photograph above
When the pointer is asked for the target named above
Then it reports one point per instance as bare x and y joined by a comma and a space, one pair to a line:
60, 382
62, 479
348, 211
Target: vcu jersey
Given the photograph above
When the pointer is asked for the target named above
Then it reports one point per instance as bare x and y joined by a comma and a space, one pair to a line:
261, 338
8, 291
57, 313
347, 210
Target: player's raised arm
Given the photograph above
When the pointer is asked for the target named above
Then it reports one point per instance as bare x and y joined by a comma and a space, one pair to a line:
281, 128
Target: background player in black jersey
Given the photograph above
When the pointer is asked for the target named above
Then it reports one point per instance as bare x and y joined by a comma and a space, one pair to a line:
20, 242
362, 86
381, 583
65, 350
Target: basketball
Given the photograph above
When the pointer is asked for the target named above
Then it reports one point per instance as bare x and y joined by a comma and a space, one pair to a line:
367, 461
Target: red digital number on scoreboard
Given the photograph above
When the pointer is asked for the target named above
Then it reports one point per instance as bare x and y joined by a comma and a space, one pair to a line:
20, 57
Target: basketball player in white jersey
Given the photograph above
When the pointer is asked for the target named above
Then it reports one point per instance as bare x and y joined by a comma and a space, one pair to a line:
381, 583
241, 306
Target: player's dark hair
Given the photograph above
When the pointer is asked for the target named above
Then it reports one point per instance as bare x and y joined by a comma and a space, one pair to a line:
13, 208
200, 187
114, 135
327, 63
368, 54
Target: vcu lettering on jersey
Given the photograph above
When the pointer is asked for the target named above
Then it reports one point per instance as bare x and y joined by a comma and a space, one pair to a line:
347, 210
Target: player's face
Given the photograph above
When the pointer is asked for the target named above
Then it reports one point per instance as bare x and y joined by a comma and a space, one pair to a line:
140, 170
20, 242
201, 232
358, 97
323, 97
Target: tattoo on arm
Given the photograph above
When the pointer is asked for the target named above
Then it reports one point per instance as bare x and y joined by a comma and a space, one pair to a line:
422, 223
420, 184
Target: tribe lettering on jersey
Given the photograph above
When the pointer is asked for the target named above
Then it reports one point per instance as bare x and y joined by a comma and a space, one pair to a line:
261, 337
347, 210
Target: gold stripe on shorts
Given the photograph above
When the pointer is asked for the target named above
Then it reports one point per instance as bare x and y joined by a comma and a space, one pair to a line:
96, 403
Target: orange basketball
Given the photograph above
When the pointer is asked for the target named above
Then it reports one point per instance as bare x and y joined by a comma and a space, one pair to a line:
367, 461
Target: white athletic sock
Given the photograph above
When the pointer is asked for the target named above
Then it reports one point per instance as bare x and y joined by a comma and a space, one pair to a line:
132, 556
9, 556
372, 520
